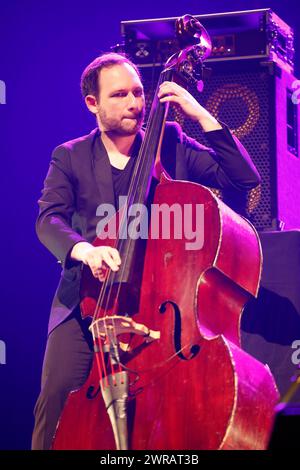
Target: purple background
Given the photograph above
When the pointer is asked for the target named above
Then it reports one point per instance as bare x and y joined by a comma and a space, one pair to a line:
44, 46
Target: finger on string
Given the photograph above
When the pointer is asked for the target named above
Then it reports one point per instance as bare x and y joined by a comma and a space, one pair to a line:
115, 255
110, 262
171, 98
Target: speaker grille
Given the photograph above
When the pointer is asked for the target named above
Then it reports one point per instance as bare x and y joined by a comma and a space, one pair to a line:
243, 100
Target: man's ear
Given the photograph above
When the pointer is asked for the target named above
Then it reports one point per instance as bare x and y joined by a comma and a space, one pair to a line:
91, 103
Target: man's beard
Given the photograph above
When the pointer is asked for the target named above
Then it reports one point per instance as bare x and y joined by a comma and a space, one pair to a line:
123, 126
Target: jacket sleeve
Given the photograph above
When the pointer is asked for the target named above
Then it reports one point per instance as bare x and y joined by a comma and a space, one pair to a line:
226, 164
57, 206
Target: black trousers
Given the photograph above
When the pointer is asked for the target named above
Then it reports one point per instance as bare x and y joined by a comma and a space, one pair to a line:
67, 362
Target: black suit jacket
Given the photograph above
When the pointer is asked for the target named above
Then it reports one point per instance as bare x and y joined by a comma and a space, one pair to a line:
80, 178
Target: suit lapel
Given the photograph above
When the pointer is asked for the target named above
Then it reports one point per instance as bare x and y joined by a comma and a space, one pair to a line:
102, 169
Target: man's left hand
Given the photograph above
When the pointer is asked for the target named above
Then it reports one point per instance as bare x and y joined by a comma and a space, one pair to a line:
173, 93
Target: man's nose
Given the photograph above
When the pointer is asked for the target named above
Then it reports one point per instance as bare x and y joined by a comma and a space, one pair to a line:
132, 101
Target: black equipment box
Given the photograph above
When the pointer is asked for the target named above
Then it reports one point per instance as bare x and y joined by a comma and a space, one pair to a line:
247, 34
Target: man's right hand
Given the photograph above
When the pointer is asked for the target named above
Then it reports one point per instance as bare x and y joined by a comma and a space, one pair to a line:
98, 258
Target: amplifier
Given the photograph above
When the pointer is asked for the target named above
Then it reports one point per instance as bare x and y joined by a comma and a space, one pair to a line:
250, 88
254, 98
235, 35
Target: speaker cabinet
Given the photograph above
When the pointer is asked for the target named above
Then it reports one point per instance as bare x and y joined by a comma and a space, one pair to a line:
255, 99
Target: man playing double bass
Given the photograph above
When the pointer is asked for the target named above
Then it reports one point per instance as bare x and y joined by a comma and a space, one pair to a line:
96, 169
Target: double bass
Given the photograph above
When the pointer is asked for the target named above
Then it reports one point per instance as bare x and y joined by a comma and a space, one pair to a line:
168, 369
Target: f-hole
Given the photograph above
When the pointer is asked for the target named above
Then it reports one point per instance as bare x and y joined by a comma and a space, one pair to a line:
195, 348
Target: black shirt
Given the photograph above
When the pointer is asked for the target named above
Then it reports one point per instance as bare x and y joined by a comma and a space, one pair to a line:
121, 179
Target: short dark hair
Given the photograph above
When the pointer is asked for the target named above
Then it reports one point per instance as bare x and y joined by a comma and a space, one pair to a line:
89, 83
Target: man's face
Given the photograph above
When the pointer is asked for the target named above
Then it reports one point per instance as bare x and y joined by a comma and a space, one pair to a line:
121, 100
